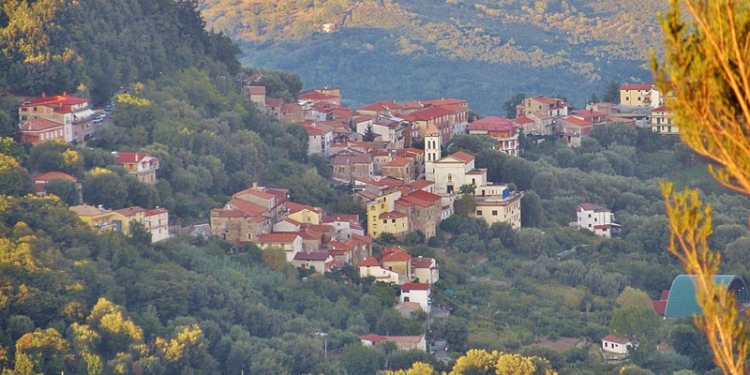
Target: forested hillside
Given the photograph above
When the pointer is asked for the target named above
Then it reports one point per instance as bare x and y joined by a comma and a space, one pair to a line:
481, 51
98, 46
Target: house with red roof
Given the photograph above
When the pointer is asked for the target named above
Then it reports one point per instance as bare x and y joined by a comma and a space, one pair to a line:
390, 130
73, 113
448, 120
290, 243
320, 137
597, 219
554, 107
398, 168
41, 180
572, 130
40, 130
397, 260
417, 292
351, 165
303, 213
662, 121
315, 97
382, 108
425, 269
423, 210
501, 129
156, 221
370, 267
140, 164
291, 113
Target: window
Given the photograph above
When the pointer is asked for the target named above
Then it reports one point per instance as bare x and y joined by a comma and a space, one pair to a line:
385, 221
479, 212
393, 220
494, 212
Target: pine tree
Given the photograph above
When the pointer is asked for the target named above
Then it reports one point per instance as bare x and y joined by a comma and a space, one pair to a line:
369, 135
705, 77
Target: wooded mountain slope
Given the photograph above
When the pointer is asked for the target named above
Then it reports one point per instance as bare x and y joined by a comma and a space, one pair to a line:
101, 45
446, 48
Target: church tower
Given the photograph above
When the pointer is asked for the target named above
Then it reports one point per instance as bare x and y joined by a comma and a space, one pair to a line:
432, 151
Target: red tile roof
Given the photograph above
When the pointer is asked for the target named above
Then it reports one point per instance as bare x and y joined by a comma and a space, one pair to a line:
57, 99
274, 102
397, 162
661, 109
246, 207
577, 122
420, 184
521, 120
460, 155
346, 218
320, 257
373, 338
257, 90
366, 240
392, 215
369, 262
415, 286
296, 207
156, 211
314, 95
444, 102
130, 157
425, 262
382, 106
130, 211
492, 123
317, 128
39, 124
255, 192
350, 159
397, 256
435, 112
337, 245
278, 237
53, 176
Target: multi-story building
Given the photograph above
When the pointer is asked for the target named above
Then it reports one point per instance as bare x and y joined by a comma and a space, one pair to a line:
661, 121
140, 164
497, 204
320, 137
447, 120
640, 95
156, 221
39, 130
597, 219
501, 129
554, 107
73, 113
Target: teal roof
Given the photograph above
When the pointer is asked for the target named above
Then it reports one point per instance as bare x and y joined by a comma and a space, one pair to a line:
682, 303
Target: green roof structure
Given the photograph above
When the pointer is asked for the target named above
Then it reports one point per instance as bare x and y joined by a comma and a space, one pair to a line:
682, 302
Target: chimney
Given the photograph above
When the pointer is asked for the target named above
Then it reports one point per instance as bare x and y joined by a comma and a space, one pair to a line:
44, 94
255, 185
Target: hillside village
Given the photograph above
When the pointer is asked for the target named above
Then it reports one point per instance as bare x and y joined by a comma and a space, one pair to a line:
394, 156
391, 154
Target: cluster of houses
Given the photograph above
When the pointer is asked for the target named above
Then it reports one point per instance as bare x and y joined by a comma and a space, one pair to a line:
64, 117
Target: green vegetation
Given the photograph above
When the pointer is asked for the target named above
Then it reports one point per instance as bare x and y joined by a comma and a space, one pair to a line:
481, 51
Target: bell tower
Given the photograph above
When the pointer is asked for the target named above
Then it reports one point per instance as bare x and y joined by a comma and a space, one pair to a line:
432, 151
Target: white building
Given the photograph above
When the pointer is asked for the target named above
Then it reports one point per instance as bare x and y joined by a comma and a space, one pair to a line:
614, 344
320, 137
156, 222
426, 270
597, 219
416, 292
291, 243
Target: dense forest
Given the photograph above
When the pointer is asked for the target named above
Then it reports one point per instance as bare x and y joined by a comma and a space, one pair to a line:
470, 49
76, 301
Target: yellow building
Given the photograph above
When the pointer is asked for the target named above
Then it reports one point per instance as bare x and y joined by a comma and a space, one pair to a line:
394, 222
303, 213
378, 206
99, 218
502, 206
129, 215
661, 121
